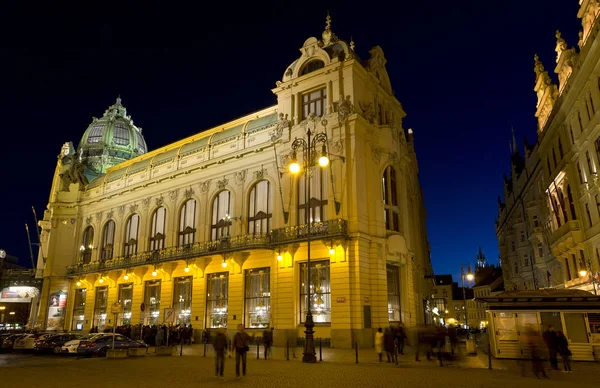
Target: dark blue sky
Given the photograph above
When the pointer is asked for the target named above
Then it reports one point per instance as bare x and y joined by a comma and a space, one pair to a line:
462, 70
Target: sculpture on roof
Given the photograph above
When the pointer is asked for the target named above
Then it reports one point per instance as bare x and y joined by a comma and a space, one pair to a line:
73, 173
282, 123
344, 108
368, 111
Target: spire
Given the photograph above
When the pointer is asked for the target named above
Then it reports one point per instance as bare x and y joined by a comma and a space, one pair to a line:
328, 36
481, 260
514, 141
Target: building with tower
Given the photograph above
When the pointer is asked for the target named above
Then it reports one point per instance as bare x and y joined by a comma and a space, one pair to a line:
548, 224
215, 231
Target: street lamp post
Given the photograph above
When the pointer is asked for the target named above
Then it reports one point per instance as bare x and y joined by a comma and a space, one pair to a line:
309, 150
469, 276
588, 269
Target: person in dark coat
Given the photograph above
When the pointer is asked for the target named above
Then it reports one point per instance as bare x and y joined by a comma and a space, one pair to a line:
267, 341
551, 342
563, 349
388, 345
240, 343
453, 336
220, 346
400, 338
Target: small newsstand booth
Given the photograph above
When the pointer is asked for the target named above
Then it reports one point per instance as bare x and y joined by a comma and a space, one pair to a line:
512, 314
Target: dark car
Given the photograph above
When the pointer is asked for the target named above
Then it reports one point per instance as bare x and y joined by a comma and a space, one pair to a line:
54, 343
100, 345
9, 342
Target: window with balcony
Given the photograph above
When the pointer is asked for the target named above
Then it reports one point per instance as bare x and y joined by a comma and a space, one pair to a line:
157, 232
108, 240
182, 299
217, 290
221, 220
314, 102
87, 245
79, 309
126, 301
100, 305
152, 302
315, 209
260, 209
187, 223
391, 212
131, 235
393, 289
257, 299
320, 294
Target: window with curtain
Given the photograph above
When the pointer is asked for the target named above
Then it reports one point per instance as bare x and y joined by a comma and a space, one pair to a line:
187, 222
217, 289
182, 299
316, 207
157, 232
152, 302
126, 300
257, 298
390, 200
79, 309
260, 208
314, 102
108, 240
87, 245
100, 305
131, 235
393, 288
221, 223
320, 294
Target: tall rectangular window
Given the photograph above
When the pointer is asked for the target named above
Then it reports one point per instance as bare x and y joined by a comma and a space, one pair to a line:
581, 179
79, 309
126, 300
560, 150
260, 208
572, 136
157, 233
591, 168
182, 299
152, 302
393, 289
217, 290
257, 298
320, 291
314, 102
589, 215
100, 303
315, 209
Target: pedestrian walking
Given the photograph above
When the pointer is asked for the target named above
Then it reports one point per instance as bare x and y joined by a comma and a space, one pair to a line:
565, 352
400, 338
160, 336
267, 341
551, 342
453, 336
240, 344
220, 346
388, 345
379, 343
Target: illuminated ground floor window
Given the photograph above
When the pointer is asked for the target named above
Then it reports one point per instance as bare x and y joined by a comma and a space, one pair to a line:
320, 291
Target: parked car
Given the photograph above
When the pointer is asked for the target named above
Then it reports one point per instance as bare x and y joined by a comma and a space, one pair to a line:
9, 342
27, 341
53, 343
99, 346
70, 347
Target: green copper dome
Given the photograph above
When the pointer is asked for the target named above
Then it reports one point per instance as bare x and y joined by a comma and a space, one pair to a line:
110, 140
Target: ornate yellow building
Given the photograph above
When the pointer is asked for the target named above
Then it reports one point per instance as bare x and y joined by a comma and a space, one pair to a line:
213, 230
548, 226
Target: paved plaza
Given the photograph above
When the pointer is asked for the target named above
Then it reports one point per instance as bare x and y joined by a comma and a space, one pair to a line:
337, 370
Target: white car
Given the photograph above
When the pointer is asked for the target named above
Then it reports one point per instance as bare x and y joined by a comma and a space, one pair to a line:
27, 342
71, 346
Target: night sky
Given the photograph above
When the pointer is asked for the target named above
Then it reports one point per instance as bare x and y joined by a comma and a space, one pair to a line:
462, 70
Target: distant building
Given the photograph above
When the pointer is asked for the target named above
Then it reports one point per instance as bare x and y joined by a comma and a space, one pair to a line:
488, 281
548, 223
19, 290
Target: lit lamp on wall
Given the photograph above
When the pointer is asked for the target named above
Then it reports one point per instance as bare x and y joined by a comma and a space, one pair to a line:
311, 147
585, 269
469, 276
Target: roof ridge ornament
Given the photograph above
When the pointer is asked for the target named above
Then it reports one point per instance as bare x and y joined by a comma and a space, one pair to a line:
328, 36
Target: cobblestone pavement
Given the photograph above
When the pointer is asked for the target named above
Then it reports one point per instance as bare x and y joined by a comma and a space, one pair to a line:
195, 370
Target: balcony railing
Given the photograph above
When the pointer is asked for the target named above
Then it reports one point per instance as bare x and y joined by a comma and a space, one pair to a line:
277, 237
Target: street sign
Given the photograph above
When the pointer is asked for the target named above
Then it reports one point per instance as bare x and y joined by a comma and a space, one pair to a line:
170, 315
116, 308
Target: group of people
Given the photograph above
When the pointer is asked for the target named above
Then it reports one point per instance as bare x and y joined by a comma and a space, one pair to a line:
239, 345
555, 343
391, 341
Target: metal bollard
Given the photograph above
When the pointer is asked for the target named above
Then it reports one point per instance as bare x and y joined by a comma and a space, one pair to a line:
287, 350
320, 349
204, 355
356, 350
258, 351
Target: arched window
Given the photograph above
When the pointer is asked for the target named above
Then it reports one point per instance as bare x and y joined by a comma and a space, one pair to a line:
157, 232
390, 199
311, 66
131, 235
108, 240
87, 244
317, 202
260, 208
187, 222
221, 219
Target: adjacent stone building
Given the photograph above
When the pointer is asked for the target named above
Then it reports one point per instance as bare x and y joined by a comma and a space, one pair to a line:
548, 225
213, 230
